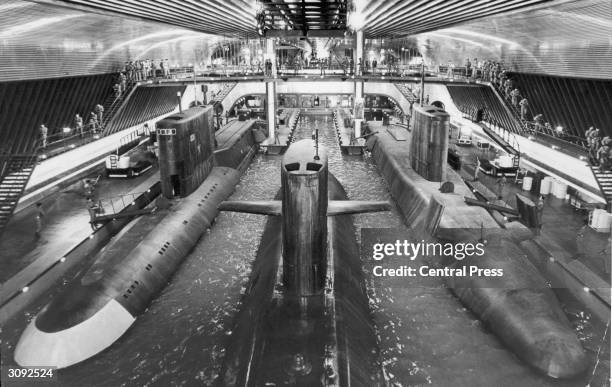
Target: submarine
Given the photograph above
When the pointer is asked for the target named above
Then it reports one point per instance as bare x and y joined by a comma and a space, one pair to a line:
305, 318
101, 302
519, 307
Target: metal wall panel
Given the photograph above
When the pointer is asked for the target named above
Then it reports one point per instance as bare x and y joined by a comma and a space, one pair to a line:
25, 105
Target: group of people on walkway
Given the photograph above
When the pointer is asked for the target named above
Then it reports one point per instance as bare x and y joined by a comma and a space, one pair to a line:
94, 125
600, 149
141, 70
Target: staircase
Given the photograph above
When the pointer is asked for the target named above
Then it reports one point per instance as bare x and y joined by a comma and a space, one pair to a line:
227, 88
499, 140
16, 171
406, 92
112, 105
561, 139
142, 103
604, 181
493, 129
511, 150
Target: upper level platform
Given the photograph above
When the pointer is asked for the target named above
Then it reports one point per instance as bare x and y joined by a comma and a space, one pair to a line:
235, 74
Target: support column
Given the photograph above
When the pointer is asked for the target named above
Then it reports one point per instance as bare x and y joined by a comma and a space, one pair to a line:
271, 104
271, 54
271, 89
358, 105
358, 108
358, 52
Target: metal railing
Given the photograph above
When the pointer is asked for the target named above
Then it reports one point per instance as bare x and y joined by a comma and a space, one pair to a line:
495, 125
134, 135
339, 69
533, 128
116, 204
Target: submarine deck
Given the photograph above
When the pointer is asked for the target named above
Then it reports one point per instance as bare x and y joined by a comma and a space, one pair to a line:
230, 132
24, 257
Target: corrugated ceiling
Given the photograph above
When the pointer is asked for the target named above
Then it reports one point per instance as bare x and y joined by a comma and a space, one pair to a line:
573, 39
45, 41
53, 38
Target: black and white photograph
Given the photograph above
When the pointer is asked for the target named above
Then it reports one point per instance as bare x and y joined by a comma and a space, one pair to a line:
306, 193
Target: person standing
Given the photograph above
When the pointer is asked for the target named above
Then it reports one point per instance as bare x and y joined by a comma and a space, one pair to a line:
156, 68
142, 70
99, 110
78, 124
92, 208
540, 212
477, 169
93, 122
88, 189
508, 84
40, 214
537, 122
166, 68
515, 94
123, 82
524, 104
117, 91
43, 135
276, 133
449, 70
589, 133
501, 184
130, 71
603, 154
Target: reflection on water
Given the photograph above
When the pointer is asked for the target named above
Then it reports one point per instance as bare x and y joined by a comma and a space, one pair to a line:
426, 336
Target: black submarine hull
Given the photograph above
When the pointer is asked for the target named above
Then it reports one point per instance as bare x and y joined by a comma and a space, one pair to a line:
332, 331
519, 307
102, 302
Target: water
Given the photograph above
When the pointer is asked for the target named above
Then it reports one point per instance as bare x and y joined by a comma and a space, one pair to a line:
425, 334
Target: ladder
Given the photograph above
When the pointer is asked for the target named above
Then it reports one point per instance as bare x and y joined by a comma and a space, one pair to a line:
16, 172
113, 161
604, 181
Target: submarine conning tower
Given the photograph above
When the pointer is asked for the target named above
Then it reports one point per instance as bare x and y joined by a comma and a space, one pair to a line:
429, 142
186, 145
304, 182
